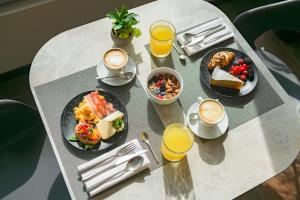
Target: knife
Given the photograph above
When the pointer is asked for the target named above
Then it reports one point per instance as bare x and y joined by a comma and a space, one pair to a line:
96, 171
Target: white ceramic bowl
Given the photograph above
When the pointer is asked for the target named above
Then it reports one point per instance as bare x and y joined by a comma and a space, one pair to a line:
164, 70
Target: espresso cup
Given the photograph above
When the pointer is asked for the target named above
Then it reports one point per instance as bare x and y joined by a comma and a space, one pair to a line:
210, 111
115, 60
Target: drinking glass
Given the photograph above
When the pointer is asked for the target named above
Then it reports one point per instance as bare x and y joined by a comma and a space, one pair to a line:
176, 142
162, 34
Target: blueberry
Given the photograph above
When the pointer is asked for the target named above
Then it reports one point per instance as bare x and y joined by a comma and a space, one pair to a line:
162, 88
163, 93
247, 60
250, 74
156, 90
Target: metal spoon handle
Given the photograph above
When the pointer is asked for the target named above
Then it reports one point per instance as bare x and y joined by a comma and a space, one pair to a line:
154, 155
99, 78
176, 48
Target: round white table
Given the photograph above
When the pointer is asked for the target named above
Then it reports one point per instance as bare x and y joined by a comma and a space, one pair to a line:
218, 169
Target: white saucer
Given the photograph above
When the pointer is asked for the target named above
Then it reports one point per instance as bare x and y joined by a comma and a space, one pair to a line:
202, 131
102, 71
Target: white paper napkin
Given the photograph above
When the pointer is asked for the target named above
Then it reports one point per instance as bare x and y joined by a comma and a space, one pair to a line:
196, 48
119, 168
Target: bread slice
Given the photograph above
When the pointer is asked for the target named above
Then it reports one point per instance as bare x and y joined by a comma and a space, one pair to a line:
222, 78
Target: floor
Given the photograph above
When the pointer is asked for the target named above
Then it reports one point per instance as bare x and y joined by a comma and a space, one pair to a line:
15, 85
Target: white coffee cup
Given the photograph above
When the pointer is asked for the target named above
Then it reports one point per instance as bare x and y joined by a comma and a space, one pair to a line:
115, 60
210, 111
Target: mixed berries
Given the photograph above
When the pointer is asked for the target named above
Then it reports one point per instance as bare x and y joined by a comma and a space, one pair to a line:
242, 69
164, 86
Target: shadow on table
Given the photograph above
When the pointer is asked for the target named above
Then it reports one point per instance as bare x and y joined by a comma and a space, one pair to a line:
178, 181
212, 151
137, 57
138, 178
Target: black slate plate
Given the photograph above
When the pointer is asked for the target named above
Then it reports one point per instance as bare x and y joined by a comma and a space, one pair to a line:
205, 74
68, 122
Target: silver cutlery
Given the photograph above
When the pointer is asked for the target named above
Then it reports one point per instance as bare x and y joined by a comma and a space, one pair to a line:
125, 76
96, 171
189, 37
202, 44
203, 37
132, 165
181, 55
145, 139
121, 152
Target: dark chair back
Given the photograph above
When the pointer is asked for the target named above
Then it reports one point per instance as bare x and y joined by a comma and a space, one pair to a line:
281, 15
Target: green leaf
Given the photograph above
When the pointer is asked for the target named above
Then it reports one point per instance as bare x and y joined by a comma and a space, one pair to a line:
117, 26
112, 15
118, 123
137, 32
123, 22
73, 138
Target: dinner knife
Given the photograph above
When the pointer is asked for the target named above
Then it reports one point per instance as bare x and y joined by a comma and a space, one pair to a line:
96, 171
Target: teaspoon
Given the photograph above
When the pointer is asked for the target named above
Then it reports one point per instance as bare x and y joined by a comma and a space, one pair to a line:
181, 55
125, 76
145, 139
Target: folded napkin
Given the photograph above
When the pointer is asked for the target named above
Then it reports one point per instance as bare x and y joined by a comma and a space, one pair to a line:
101, 178
196, 48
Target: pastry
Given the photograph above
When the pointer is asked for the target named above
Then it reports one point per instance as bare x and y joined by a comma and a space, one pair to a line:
222, 78
221, 59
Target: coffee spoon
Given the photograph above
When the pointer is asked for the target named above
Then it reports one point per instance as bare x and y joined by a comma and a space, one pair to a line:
145, 139
181, 55
125, 76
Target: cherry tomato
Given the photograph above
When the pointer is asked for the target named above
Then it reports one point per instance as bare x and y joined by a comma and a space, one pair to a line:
231, 72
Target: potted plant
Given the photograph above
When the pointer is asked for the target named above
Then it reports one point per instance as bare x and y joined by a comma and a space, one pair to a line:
123, 24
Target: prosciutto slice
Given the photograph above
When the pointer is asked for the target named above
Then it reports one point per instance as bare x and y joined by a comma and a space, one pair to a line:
99, 105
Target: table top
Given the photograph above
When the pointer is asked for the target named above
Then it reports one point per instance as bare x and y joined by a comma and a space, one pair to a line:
218, 169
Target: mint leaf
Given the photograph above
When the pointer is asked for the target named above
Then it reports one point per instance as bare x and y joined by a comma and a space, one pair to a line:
89, 146
118, 123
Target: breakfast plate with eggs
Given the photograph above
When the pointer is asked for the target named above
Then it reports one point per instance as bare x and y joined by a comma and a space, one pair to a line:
228, 72
94, 120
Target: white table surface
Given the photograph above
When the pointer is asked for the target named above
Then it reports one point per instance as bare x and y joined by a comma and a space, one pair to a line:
219, 169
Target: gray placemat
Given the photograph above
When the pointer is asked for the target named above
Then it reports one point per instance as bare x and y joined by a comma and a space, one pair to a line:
239, 109
54, 96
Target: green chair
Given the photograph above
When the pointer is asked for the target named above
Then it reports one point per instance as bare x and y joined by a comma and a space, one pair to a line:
29, 169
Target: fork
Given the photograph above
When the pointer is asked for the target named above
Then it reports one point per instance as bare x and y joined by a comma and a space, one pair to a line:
121, 152
201, 38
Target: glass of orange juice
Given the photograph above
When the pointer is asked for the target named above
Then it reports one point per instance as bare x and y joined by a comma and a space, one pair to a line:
162, 34
177, 141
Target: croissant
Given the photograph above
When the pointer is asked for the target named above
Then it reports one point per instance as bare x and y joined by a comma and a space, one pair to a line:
221, 59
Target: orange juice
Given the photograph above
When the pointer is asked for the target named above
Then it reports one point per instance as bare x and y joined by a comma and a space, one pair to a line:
177, 140
162, 36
